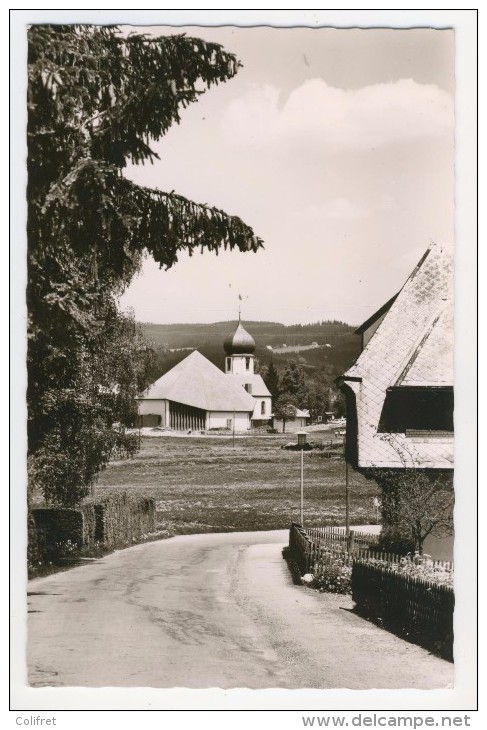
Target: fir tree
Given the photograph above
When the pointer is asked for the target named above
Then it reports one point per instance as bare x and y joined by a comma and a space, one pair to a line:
96, 100
271, 379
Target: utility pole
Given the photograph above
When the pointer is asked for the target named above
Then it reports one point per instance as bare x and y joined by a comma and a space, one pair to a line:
301, 443
347, 490
302, 487
233, 432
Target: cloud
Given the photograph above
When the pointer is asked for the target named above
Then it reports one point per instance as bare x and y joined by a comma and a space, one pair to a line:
345, 209
358, 118
335, 208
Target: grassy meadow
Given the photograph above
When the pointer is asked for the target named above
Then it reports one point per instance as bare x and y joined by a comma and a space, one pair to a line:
207, 484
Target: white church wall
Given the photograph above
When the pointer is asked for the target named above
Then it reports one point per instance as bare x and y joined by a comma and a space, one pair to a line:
257, 414
237, 364
224, 419
157, 407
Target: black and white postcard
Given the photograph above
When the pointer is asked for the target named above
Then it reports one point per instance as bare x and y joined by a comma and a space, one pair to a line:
244, 315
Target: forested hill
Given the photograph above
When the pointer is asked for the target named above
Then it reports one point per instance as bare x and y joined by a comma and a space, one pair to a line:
336, 346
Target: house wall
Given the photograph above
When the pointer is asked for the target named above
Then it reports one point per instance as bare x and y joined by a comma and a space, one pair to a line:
394, 450
220, 419
292, 426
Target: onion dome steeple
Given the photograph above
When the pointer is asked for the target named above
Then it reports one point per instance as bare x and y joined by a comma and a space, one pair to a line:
240, 342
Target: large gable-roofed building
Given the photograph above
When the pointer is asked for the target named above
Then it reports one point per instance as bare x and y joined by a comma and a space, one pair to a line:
196, 395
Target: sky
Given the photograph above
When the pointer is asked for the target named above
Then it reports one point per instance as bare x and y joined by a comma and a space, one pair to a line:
336, 147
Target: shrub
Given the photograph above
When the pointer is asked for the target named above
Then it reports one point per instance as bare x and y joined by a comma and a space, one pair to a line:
391, 540
58, 534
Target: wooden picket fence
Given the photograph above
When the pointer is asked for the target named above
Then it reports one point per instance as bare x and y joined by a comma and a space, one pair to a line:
309, 545
355, 540
416, 609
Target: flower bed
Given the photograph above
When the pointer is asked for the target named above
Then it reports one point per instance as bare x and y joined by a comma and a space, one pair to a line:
332, 570
417, 566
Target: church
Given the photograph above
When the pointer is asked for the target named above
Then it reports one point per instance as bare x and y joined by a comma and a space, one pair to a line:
195, 395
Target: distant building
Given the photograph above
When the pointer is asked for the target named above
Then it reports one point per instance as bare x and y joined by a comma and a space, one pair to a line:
301, 420
399, 391
196, 395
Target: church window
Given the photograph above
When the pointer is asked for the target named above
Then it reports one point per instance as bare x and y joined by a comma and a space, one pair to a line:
247, 363
229, 363
262, 408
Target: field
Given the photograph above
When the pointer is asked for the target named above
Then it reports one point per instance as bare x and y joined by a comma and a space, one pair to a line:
207, 484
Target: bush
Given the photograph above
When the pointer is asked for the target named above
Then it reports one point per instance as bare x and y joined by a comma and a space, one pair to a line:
392, 540
60, 534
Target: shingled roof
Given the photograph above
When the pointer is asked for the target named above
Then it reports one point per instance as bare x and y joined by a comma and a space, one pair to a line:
196, 382
411, 348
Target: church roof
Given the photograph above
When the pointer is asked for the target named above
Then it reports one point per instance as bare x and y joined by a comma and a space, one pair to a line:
196, 382
259, 388
240, 342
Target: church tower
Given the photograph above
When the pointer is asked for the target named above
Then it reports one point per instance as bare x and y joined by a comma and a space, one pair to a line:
239, 348
240, 366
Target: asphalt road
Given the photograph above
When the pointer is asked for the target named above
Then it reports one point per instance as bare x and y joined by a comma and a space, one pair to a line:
216, 610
